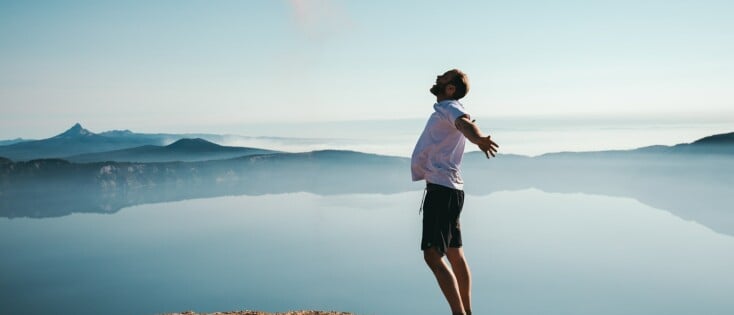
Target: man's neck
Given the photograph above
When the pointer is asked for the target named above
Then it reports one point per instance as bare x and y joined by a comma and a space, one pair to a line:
442, 98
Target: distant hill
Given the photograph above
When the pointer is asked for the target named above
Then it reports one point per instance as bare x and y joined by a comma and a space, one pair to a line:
186, 150
721, 144
720, 139
12, 141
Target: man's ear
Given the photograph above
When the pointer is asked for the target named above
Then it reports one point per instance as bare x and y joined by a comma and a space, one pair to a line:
449, 90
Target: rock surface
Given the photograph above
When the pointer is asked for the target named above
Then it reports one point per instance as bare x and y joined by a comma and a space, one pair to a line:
264, 313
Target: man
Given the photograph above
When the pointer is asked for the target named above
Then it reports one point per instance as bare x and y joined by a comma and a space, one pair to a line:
437, 159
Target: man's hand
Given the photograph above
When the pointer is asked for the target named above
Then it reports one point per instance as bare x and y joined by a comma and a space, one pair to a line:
488, 146
472, 133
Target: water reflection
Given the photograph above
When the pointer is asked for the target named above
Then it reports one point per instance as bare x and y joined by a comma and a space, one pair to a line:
698, 188
531, 252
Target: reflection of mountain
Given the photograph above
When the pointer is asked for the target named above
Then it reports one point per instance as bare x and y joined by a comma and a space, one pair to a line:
186, 150
54, 187
692, 181
698, 188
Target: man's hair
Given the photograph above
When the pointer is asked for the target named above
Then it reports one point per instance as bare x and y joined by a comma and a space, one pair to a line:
461, 82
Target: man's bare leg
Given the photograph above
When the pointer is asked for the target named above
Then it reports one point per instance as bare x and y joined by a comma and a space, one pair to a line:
446, 279
462, 274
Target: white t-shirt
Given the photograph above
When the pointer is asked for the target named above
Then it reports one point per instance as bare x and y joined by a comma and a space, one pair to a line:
437, 155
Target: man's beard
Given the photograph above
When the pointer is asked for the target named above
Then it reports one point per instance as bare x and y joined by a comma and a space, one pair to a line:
437, 89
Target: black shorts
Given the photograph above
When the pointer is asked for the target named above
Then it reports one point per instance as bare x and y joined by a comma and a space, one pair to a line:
441, 209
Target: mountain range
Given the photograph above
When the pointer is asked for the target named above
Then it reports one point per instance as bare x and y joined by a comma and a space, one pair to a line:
79, 144
186, 150
74, 141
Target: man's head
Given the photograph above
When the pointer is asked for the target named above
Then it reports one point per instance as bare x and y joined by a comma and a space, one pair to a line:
453, 84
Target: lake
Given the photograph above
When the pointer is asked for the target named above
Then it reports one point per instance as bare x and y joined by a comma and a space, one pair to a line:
531, 252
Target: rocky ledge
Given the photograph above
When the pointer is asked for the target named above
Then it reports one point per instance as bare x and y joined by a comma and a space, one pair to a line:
263, 313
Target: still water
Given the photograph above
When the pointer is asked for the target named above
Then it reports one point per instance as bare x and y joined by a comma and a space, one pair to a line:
531, 252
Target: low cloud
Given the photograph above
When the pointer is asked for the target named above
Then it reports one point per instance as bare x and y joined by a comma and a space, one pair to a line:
319, 19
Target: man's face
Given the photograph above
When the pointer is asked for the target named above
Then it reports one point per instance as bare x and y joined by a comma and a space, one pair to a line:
442, 81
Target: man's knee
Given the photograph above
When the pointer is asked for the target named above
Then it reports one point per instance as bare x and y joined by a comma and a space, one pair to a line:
433, 258
455, 255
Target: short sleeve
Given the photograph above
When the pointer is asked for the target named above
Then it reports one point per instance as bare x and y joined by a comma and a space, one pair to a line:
452, 110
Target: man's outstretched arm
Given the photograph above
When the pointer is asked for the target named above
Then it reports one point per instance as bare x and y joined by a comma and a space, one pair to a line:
472, 132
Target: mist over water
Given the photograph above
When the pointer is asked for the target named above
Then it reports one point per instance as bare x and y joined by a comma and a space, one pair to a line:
525, 136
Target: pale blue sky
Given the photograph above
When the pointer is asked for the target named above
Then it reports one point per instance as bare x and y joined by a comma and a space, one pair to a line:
175, 66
